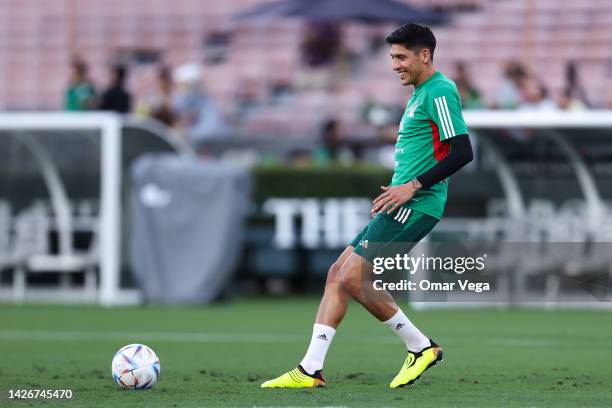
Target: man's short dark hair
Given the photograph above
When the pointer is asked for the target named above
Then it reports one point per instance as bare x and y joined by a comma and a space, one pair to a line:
415, 37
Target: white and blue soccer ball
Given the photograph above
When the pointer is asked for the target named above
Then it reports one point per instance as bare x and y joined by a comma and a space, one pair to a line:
136, 367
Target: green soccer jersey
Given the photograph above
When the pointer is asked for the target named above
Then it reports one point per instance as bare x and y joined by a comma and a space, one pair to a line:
432, 115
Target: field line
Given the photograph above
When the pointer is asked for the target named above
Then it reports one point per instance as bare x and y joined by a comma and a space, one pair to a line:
186, 337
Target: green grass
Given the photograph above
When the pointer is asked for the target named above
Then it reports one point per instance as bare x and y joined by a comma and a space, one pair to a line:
217, 356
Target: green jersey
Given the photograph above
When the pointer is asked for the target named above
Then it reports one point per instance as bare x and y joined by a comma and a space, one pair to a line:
432, 115
79, 96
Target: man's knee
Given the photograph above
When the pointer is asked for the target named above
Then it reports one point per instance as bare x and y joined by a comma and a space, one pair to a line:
350, 277
333, 275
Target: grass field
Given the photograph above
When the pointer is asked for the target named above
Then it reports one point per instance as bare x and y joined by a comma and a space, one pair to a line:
217, 356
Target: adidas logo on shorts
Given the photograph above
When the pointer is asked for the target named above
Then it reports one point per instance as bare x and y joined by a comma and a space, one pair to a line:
402, 215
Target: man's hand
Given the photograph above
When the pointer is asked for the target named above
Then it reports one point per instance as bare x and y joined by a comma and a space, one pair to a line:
394, 196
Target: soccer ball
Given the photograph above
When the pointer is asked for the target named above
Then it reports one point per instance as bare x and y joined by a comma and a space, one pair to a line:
136, 367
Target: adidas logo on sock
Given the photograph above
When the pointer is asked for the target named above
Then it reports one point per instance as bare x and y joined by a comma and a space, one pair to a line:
399, 326
322, 337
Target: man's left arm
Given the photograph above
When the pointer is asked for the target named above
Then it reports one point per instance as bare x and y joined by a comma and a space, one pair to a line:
459, 155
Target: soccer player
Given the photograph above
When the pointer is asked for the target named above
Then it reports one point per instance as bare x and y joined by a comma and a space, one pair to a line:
432, 144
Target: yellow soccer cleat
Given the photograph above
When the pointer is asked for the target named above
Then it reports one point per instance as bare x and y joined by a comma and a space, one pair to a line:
296, 378
416, 364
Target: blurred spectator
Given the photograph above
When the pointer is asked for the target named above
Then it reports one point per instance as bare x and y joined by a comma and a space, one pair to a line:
320, 48
331, 142
332, 139
508, 95
321, 44
247, 96
81, 93
160, 101
116, 98
568, 102
197, 113
280, 91
470, 96
535, 96
157, 102
574, 96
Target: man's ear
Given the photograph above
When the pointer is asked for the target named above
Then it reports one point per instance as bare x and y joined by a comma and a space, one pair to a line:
426, 55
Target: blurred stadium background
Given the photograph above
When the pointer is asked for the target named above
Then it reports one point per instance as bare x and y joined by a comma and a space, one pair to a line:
187, 151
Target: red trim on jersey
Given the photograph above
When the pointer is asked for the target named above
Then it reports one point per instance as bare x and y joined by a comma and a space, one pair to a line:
440, 149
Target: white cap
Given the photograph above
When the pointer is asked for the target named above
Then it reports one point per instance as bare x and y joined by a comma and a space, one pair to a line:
188, 73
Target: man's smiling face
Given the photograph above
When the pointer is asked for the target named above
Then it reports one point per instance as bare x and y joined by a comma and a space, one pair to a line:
407, 63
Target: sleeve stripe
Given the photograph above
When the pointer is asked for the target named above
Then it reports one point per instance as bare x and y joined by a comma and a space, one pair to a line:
448, 116
442, 118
